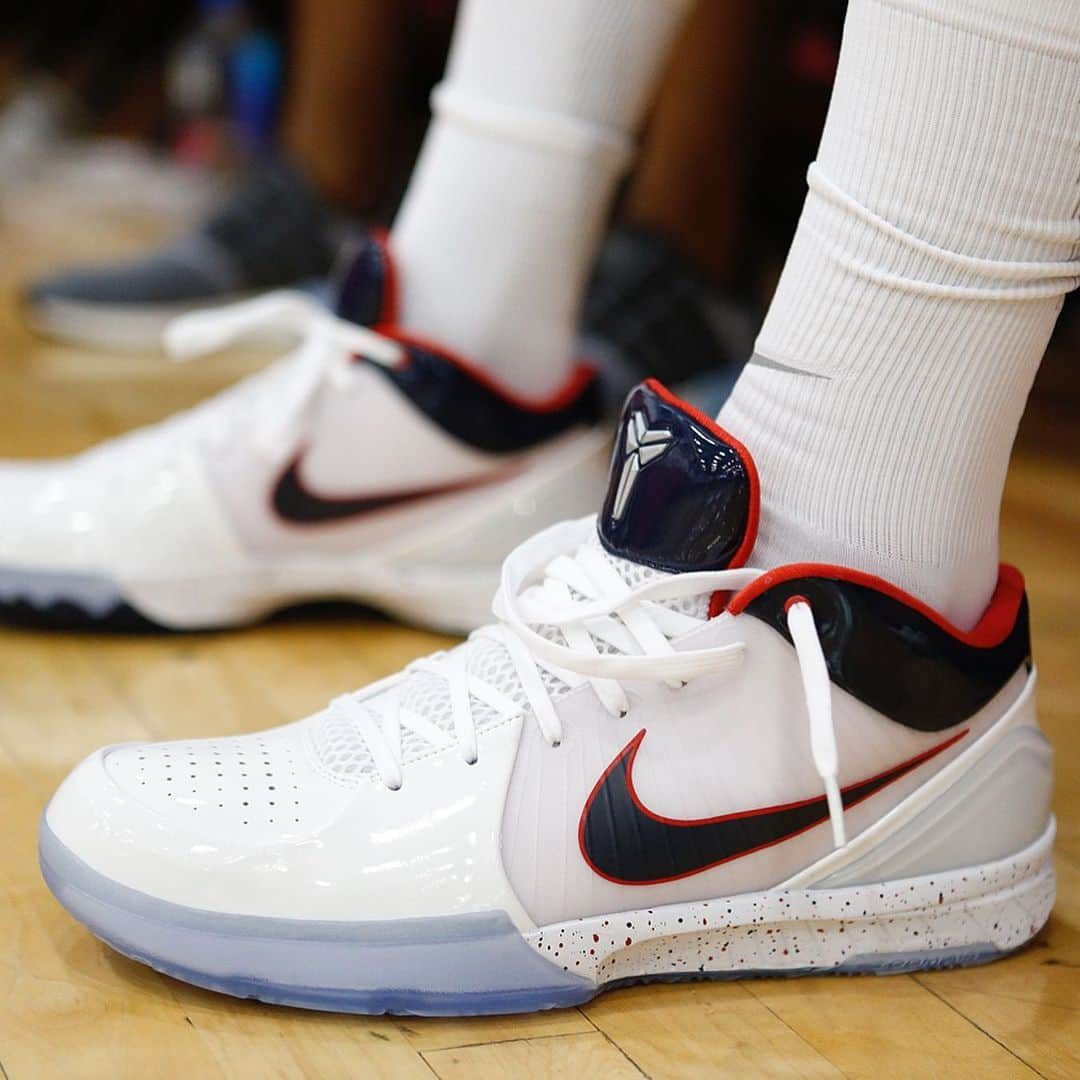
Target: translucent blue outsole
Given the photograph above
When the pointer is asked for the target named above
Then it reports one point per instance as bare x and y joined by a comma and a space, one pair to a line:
462, 965
93, 594
450, 966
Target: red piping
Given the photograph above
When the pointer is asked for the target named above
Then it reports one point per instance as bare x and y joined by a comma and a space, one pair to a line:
992, 629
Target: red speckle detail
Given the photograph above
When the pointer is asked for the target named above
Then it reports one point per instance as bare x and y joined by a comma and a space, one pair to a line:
596, 937
629, 941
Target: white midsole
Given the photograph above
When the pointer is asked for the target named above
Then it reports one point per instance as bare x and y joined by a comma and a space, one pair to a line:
454, 599
997, 906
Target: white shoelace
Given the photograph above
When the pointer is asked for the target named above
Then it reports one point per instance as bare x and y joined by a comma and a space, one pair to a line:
585, 599
325, 355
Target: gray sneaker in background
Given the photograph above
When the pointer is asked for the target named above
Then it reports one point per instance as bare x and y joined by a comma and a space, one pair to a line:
274, 231
649, 312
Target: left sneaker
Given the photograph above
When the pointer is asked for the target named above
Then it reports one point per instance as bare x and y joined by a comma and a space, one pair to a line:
661, 765
367, 466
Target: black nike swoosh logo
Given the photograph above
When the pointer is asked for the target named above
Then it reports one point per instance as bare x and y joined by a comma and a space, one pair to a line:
628, 844
293, 502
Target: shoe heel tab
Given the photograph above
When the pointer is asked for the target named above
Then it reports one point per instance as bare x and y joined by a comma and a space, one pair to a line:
1006, 613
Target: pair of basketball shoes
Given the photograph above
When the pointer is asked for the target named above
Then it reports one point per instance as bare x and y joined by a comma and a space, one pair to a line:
655, 763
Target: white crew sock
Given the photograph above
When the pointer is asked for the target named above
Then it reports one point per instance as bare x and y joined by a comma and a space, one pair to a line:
533, 127
941, 230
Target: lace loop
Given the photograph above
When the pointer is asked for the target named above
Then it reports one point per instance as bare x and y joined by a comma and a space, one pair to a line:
284, 311
325, 356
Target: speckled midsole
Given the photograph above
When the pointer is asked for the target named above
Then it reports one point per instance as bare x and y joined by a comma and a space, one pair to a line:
986, 910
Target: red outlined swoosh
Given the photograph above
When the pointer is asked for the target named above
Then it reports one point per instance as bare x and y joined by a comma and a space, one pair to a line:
297, 504
625, 842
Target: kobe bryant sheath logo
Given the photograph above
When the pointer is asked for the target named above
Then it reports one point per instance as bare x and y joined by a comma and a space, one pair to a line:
680, 489
643, 445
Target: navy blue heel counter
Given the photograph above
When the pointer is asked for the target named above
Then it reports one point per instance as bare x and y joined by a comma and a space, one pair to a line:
899, 658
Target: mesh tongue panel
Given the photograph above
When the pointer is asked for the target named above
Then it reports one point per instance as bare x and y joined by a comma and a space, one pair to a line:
342, 751
637, 574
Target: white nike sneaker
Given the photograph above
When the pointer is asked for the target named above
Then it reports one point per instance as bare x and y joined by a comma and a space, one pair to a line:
366, 466
658, 765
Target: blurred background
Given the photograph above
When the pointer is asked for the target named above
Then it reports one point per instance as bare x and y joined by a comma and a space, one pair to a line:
132, 131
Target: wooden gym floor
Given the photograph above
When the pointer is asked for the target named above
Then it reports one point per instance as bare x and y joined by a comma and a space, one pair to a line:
71, 1008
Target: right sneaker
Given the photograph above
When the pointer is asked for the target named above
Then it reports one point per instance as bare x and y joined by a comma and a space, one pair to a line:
661, 764
273, 232
366, 466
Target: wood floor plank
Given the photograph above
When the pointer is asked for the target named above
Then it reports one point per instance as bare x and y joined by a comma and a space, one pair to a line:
57, 706
699, 1029
584, 1057
439, 1034
879, 1028
182, 686
247, 1038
